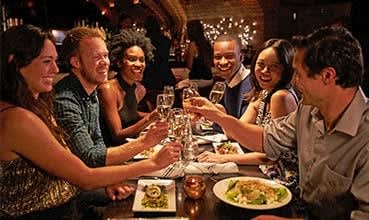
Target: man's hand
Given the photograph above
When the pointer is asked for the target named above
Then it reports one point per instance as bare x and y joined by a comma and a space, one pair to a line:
156, 133
119, 191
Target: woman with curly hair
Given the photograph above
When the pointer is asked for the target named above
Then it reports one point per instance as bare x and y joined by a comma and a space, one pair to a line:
119, 97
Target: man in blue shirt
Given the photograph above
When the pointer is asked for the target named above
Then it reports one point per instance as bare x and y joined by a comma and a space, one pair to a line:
228, 63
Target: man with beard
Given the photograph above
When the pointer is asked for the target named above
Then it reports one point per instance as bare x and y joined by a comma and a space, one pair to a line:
77, 106
228, 63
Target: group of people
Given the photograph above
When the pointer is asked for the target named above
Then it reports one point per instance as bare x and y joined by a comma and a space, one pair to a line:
61, 149
327, 130
314, 142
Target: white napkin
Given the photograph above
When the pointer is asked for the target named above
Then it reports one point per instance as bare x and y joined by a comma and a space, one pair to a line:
172, 171
212, 138
198, 168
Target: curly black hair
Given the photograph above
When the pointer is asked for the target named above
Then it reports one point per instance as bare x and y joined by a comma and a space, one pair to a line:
127, 38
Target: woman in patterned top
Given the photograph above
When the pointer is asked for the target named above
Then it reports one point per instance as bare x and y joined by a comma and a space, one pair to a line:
39, 175
271, 97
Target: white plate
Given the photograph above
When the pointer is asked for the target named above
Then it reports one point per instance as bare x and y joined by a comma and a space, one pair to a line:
220, 189
171, 190
235, 145
148, 153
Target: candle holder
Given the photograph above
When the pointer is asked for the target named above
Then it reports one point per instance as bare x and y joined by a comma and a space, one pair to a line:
194, 186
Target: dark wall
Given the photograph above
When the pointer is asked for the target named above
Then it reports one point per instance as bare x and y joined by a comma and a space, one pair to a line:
360, 29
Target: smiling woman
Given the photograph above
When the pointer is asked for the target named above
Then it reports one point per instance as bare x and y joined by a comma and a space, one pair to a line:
119, 97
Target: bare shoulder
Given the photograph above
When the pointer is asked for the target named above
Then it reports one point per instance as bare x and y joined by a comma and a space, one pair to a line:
17, 117
14, 124
282, 95
109, 89
107, 86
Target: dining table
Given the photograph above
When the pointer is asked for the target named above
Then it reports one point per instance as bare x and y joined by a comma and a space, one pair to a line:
207, 207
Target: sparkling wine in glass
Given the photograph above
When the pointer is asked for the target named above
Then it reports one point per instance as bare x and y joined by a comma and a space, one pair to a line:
163, 106
169, 90
217, 92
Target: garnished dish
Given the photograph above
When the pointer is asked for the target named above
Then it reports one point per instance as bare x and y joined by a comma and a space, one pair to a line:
227, 148
252, 193
149, 153
155, 196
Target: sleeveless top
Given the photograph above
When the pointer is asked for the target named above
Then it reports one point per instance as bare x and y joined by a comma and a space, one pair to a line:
128, 114
24, 188
285, 170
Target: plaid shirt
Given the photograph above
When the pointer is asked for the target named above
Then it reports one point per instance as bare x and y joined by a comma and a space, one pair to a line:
78, 114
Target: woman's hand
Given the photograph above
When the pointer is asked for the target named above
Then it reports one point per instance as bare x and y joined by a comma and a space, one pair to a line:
156, 133
169, 154
119, 191
207, 156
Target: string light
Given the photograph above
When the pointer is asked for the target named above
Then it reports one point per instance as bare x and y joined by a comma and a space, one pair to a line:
245, 31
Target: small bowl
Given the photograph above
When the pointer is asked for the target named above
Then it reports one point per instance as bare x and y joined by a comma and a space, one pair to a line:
194, 186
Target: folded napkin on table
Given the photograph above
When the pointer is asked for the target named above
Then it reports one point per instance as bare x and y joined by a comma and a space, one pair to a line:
211, 138
215, 168
172, 171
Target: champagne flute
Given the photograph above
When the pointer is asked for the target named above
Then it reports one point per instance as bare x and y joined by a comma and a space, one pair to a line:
217, 92
188, 93
176, 124
163, 106
169, 90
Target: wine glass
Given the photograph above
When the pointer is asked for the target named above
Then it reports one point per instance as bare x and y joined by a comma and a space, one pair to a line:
169, 90
163, 106
217, 92
188, 93
176, 123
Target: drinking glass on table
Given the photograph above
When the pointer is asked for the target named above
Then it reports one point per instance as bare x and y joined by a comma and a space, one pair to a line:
163, 105
169, 90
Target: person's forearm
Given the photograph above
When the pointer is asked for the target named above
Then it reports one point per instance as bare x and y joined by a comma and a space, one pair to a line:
254, 158
131, 131
248, 135
122, 153
99, 177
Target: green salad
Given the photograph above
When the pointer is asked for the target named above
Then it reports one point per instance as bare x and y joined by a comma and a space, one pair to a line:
254, 192
156, 196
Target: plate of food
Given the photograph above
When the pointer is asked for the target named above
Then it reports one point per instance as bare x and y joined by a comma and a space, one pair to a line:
149, 153
153, 195
252, 193
227, 148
